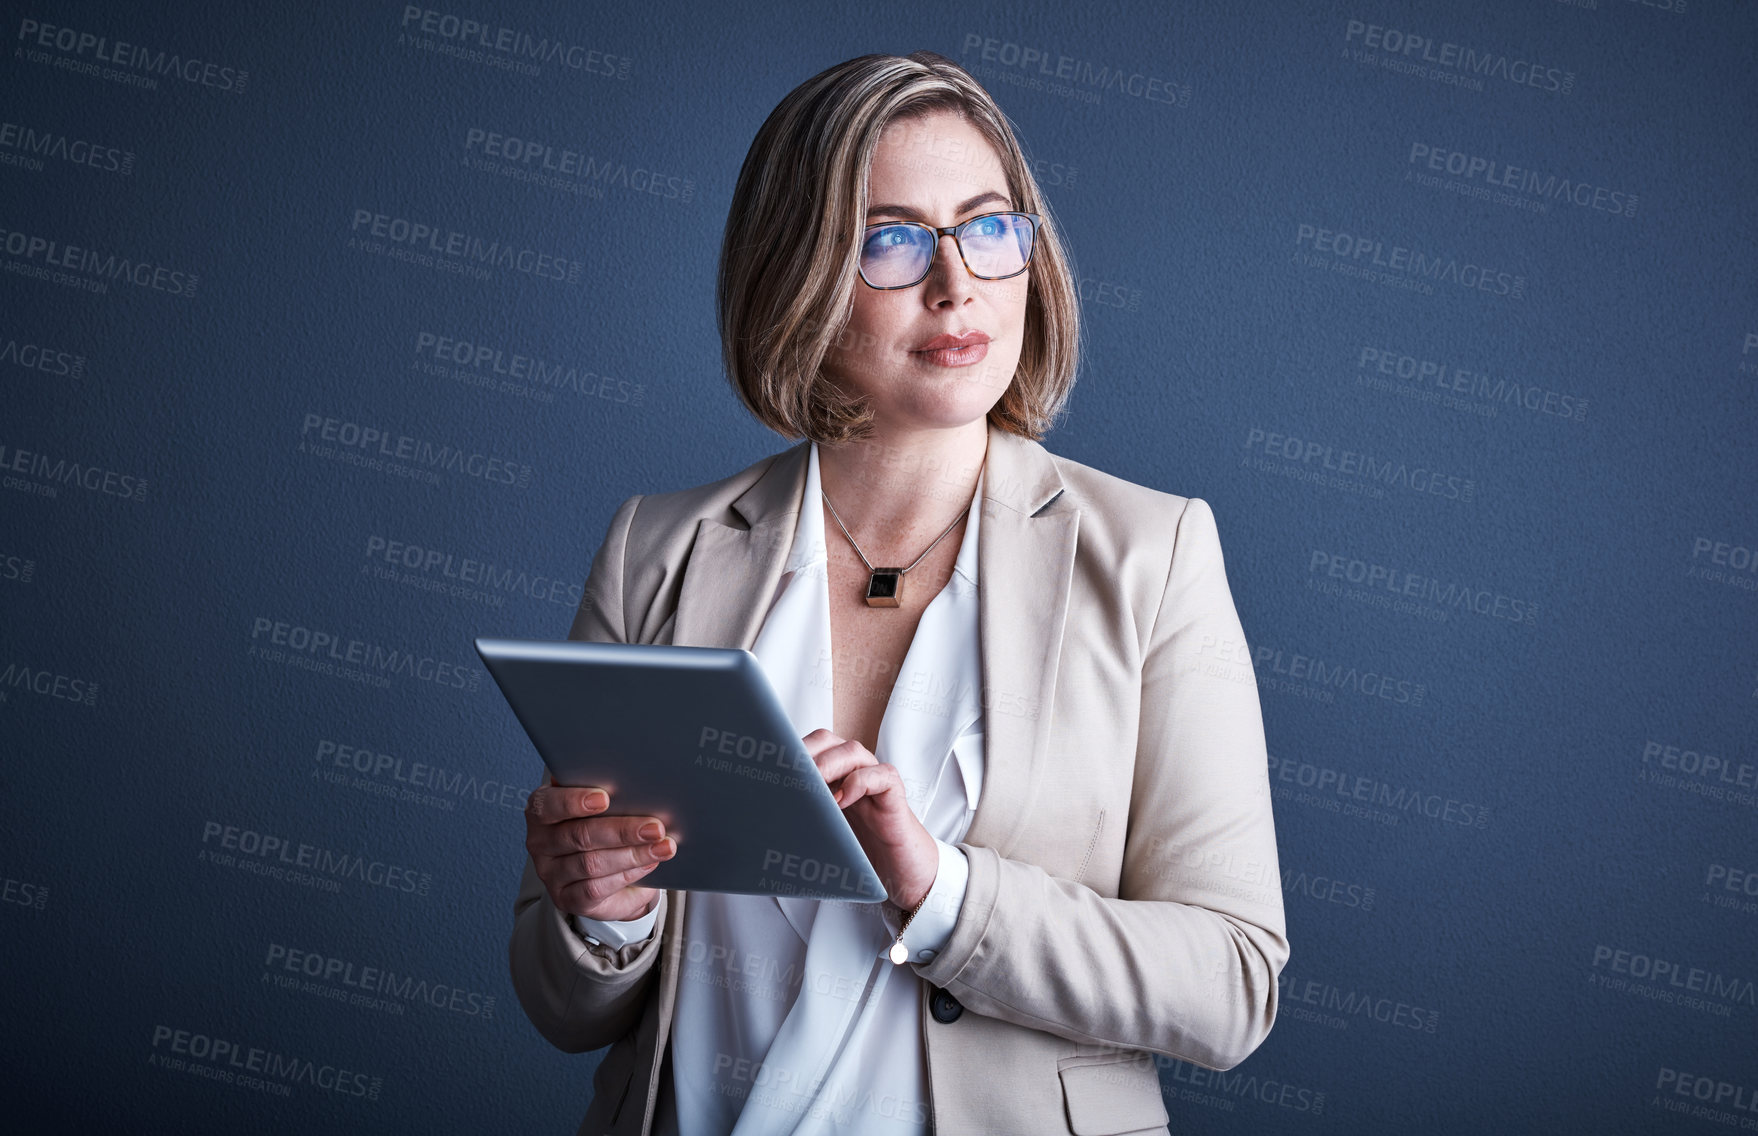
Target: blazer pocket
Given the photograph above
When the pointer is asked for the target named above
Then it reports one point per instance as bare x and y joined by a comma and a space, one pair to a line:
615, 1076
1111, 1096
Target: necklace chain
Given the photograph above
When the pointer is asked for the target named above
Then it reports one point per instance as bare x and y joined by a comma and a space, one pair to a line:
863, 556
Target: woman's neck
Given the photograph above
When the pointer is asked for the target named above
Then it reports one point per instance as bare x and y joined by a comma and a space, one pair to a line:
896, 489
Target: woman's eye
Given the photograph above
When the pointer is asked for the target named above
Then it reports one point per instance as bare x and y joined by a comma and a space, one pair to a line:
886, 239
987, 231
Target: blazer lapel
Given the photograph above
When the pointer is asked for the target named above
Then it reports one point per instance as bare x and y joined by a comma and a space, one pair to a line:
732, 573
1025, 564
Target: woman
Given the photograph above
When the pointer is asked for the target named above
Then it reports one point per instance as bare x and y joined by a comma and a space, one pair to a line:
1017, 673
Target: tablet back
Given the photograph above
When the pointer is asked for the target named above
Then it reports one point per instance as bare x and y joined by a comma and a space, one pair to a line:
697, 737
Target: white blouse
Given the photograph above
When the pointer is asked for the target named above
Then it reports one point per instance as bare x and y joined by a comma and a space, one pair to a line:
790, 1016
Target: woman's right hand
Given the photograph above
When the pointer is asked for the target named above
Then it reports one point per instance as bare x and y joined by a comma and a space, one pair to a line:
588, 862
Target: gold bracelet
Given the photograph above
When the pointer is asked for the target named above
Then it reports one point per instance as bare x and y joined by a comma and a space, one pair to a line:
899, 953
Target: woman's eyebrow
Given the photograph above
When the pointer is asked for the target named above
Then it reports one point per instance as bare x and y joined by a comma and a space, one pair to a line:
917, 215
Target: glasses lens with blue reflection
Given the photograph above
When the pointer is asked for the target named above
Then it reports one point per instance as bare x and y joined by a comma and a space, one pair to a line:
995, 245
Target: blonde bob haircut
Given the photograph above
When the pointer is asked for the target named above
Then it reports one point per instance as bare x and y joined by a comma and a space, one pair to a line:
788, 262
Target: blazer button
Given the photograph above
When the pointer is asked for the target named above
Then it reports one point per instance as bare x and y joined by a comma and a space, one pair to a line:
944, 1006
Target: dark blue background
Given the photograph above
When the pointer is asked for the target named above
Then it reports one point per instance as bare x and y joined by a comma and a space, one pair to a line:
1184, 219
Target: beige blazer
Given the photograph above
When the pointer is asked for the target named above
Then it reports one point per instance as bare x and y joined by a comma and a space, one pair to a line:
1124, 896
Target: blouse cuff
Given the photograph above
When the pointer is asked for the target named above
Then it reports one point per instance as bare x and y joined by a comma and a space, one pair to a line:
615, 933
931, 928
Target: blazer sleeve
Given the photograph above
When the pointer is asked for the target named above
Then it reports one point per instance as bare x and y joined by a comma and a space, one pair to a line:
1184, 961
582, 997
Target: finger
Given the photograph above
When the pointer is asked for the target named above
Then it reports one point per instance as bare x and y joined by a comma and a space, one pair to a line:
591, 833
839, 760
876, 781
820, 741
604, 862
588, 833
556, 803
589, 893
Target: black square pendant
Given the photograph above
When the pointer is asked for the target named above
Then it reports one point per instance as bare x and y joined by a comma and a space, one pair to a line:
884, 586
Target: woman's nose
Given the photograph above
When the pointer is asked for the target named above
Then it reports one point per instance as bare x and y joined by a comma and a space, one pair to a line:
947, 274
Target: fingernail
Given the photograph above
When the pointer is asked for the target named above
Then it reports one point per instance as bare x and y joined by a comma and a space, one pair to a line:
666, 848
651, 830
597, 800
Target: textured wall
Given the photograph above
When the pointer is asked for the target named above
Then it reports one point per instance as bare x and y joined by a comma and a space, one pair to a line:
1448, 310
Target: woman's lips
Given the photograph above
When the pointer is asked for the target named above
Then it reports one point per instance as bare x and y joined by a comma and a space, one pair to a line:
955, 350
956, 356
962, 339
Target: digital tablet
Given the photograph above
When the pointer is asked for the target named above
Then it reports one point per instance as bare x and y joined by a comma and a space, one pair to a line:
697, 737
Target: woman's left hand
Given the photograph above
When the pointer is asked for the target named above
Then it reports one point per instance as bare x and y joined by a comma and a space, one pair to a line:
874, 801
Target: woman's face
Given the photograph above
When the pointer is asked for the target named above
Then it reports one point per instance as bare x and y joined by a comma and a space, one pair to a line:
937, 169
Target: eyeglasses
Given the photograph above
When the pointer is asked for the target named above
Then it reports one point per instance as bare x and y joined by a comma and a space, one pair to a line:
993, 246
